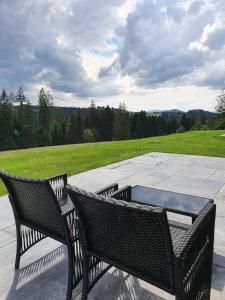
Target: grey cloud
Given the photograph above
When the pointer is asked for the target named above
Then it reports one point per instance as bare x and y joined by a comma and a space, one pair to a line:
112, 69
216, 40
212, 76
157, 41
195, 7
41, 43
92, 20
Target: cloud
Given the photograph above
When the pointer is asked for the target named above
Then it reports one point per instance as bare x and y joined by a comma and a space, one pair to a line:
195, 7
99, 48
168, 43
42, 43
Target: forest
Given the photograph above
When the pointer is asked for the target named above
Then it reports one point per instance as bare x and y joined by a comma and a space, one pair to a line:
23, 125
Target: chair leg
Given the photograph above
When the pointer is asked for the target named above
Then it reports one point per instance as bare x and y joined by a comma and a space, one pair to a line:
209, 275
70, 272
18, 246
85, 277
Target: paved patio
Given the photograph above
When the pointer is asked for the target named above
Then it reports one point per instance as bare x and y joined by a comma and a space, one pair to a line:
43, 268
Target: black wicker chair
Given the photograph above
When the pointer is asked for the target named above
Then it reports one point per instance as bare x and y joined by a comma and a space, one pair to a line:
42, 209
138, 239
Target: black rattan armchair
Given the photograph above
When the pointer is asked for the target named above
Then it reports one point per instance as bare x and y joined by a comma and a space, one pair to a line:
138, 239
42, 209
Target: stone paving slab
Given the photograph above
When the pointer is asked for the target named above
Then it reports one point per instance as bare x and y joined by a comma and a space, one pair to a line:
221, 194
144, 179
43, 272
6, 214
11, 229
6, 238
191, 185
219, 174
178, 169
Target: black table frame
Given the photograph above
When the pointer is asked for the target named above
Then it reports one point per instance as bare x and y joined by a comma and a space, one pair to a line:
176, 211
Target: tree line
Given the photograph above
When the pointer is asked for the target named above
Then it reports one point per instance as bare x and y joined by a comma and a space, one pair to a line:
23, 125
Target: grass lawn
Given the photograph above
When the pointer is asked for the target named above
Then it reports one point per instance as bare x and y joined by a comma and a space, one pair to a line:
72, 159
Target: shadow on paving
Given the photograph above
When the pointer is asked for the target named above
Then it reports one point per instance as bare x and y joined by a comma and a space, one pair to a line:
46, 278
218, 273
119, 285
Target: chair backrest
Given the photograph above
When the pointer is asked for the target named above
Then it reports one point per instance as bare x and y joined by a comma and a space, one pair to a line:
133, 237
34, 203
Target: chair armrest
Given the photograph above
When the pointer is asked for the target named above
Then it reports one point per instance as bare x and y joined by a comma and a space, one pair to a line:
108, 190
58, 184
193, 254
60, 177
123, 194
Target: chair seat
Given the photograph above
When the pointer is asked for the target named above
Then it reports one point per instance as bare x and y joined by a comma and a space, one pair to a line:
178, 231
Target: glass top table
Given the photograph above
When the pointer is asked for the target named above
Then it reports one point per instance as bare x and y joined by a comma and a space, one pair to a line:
174, 202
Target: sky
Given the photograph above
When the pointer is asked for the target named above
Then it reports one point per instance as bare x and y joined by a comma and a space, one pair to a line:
149, 54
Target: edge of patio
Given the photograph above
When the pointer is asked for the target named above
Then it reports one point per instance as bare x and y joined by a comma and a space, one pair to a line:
43, 268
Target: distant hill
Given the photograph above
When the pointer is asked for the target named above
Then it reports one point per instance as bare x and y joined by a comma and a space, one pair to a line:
159, 111
64, 111
61, 111
197, 115
200, 115
67, 111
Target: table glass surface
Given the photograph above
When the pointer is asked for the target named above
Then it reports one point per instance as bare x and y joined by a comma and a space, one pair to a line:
187, 204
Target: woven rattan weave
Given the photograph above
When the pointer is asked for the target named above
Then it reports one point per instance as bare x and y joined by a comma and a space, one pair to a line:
140, 240
43, 209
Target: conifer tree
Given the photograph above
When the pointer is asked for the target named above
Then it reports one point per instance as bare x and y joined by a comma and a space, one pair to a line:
106, 127
121, 124
6, 122
75, 129
141, 126
93, 115
45, 117
72, 128
57, 134
20, 117
25, 122
30, 127
79, 128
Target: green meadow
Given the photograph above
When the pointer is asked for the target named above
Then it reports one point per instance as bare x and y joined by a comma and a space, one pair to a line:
73, 159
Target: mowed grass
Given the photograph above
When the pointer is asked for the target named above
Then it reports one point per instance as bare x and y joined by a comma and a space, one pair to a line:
73, 159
